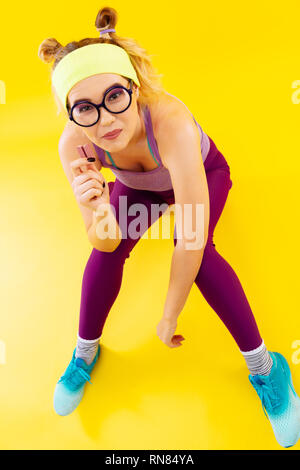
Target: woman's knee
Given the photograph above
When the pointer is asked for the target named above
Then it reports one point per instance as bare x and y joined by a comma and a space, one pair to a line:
117, 256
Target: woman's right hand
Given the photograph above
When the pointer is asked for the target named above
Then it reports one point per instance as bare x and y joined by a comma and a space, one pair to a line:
89, 185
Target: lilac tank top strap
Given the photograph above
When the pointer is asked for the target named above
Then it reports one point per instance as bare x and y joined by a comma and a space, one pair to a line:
152, 144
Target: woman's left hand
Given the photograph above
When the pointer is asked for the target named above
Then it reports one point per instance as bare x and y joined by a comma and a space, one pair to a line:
166, 329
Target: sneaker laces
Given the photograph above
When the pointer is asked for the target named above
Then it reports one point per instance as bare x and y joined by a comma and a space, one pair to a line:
72, 375
266, 392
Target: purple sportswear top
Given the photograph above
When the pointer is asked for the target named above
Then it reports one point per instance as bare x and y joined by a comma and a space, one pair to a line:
159, 178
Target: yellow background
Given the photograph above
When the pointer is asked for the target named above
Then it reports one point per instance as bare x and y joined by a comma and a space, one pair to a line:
233, 65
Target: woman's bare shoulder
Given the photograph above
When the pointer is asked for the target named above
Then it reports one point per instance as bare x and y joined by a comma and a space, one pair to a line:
73, 132
167, 106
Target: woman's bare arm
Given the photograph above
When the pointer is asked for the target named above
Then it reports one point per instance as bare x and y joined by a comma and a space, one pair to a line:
181, 154
67, 149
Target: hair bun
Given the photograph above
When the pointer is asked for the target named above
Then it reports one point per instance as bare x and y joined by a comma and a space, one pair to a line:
48, 49
106, 19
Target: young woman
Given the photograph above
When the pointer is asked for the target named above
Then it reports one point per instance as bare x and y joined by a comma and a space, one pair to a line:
160, 156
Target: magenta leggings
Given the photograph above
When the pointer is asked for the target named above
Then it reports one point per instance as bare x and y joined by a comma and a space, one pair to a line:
216, 280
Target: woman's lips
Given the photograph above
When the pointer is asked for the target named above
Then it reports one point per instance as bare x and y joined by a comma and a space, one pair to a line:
114, 135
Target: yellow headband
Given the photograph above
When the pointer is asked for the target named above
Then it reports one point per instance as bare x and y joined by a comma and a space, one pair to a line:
90, 60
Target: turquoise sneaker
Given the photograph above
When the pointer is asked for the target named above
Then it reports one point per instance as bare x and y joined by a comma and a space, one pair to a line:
280, 401
70, 387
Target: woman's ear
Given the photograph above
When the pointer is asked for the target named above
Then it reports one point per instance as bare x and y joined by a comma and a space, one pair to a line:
137, 92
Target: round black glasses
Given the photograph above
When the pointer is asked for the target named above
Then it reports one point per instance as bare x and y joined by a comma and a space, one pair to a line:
116, 100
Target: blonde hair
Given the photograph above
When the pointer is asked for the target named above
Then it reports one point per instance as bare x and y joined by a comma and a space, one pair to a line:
151, 87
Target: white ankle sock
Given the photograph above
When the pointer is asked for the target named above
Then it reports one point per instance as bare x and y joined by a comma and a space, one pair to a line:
258, 360
86, 349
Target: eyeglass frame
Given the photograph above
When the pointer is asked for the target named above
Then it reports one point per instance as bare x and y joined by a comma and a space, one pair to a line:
102, 104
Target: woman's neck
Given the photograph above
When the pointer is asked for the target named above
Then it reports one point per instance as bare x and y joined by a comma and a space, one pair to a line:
140, 133
137, 141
